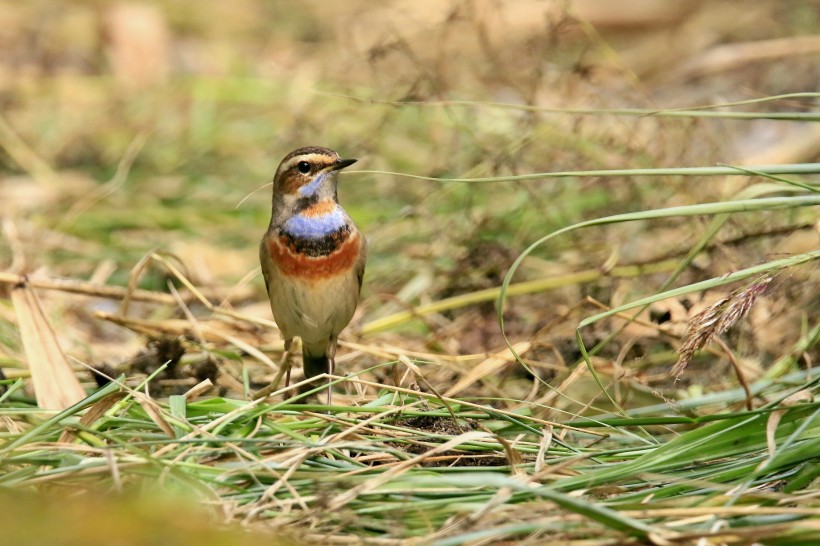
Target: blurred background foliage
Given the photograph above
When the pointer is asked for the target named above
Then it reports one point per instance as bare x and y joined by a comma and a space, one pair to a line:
132, 126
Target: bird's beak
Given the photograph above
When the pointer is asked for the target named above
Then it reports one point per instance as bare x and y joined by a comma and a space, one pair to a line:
342, 163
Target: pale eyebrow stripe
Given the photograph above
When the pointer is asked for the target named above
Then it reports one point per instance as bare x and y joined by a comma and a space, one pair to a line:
310, 158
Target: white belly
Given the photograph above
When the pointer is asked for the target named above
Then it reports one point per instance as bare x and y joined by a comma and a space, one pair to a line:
315, 310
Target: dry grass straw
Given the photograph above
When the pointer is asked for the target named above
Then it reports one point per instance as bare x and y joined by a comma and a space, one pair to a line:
54, 382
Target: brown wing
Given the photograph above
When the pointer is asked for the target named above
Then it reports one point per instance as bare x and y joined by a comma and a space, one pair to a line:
361, 261
264, 261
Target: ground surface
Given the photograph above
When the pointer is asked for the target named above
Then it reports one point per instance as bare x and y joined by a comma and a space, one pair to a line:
135, 143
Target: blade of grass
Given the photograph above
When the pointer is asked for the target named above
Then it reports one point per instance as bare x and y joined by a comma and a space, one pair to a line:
36, 430
746, 205
796, 168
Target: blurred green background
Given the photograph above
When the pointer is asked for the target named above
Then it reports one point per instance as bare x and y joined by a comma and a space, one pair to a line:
132, 126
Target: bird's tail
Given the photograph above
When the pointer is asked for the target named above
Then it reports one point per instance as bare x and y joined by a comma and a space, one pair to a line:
315, 365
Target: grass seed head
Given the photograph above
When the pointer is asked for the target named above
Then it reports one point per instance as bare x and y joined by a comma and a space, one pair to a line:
716, 319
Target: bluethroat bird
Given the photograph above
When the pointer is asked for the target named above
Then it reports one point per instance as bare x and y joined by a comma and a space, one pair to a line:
313, 257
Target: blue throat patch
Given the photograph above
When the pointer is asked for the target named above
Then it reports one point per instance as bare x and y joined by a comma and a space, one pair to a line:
309, 189
315, 227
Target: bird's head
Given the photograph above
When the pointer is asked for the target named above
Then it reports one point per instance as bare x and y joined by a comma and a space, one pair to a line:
309, 173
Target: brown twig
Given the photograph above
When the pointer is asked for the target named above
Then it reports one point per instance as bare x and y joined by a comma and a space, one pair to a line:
85, 288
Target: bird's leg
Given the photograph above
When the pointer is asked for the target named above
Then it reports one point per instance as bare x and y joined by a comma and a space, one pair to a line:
331, 364
286, 364
284, 368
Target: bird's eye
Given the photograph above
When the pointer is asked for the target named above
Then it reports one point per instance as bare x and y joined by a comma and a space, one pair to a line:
303, 166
